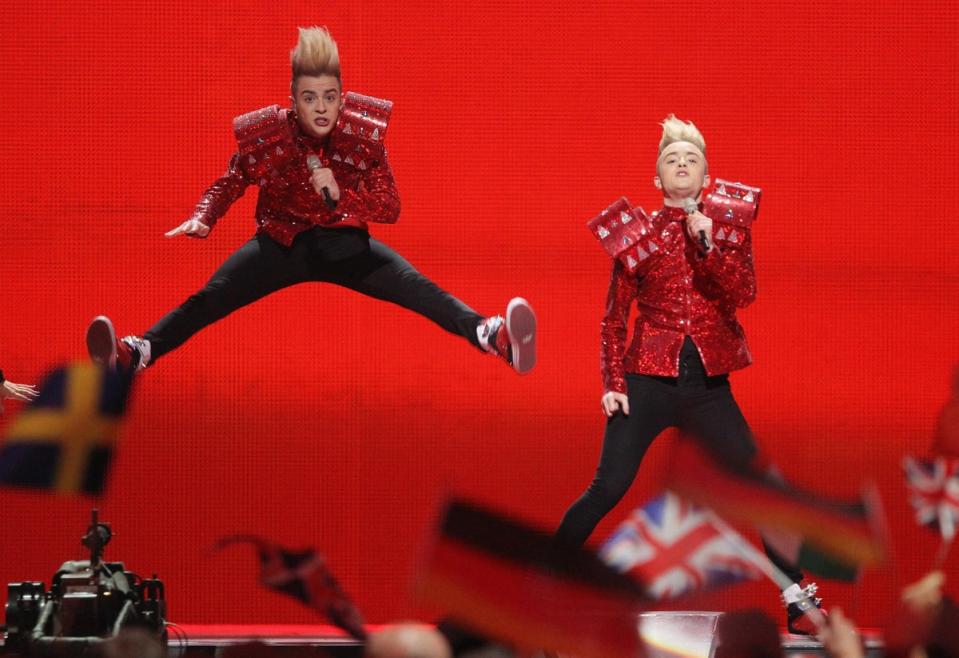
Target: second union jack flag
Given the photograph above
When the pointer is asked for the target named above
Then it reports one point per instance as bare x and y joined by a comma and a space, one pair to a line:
934, 492
673, 546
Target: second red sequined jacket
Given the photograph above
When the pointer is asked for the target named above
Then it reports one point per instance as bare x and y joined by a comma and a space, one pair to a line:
679, 292
288, 204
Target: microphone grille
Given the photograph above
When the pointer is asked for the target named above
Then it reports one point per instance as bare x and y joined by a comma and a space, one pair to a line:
313, 162
690, 205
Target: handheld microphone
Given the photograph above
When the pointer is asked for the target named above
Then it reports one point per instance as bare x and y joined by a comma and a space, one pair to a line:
689, 207
313, 163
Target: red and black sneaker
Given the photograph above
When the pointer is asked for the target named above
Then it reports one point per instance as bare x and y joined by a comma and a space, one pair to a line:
128, 354
804, 612
512, 339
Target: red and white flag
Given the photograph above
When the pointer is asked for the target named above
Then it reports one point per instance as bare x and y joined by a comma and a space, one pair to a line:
934, 492
674, 547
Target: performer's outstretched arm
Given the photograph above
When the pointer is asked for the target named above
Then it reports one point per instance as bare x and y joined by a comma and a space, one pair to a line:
11, 391
214, 203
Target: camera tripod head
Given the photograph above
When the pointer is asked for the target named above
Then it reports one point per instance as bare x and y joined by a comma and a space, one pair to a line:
97, 537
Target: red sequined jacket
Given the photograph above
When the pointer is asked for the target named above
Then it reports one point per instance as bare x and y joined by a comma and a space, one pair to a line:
288, 204
679, 292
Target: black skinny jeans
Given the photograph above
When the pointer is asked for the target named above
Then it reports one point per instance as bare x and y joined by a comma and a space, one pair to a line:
698, 405
346, 257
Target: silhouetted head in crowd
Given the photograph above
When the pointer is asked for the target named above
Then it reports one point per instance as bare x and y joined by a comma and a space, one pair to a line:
747, 634
408, 641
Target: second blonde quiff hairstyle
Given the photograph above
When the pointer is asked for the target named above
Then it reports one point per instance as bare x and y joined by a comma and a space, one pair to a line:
315, 54
677, 130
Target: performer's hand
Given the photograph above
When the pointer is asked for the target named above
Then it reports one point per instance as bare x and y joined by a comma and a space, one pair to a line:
696, 222
191, 227
613, 402
324, 178
839, 637
11, 391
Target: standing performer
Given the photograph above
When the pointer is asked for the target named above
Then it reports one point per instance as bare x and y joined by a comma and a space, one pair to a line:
320, 182
687, 280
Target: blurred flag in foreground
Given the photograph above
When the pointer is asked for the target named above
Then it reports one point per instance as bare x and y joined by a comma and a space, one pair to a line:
673, 546
304, 576
933, 486
509, 581
849, 532
65, 438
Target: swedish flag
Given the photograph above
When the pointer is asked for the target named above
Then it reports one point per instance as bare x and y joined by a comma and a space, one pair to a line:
64, 439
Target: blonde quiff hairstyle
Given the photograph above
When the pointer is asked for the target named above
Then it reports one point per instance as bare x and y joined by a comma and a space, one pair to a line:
677, 130
315, 54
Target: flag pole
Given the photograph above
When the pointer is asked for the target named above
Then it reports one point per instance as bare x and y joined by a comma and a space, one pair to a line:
942, 554
763, 563
947, 529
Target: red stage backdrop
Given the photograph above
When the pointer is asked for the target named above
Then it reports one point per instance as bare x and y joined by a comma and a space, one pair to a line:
318, 417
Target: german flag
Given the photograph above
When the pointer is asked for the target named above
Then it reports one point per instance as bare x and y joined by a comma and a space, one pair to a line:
512, 582
806, 557
64, 439
849, 532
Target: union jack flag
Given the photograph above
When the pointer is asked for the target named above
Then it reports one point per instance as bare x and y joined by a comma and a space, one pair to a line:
673, 547
934, 492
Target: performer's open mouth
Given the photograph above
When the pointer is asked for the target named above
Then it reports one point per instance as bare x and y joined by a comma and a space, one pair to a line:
322, 122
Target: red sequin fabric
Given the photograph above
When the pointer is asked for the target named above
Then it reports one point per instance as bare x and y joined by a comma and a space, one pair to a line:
679, 292
288, 204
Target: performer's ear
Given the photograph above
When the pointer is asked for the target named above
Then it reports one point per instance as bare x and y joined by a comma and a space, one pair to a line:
658, 183
706, 181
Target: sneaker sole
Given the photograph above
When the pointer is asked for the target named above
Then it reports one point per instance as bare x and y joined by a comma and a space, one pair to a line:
102, 342
521, 325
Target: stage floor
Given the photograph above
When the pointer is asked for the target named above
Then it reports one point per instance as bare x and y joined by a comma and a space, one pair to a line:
323, 640
213, 636
335, 643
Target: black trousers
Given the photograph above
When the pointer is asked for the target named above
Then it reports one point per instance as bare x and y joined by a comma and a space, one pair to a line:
697, 404
346, 257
